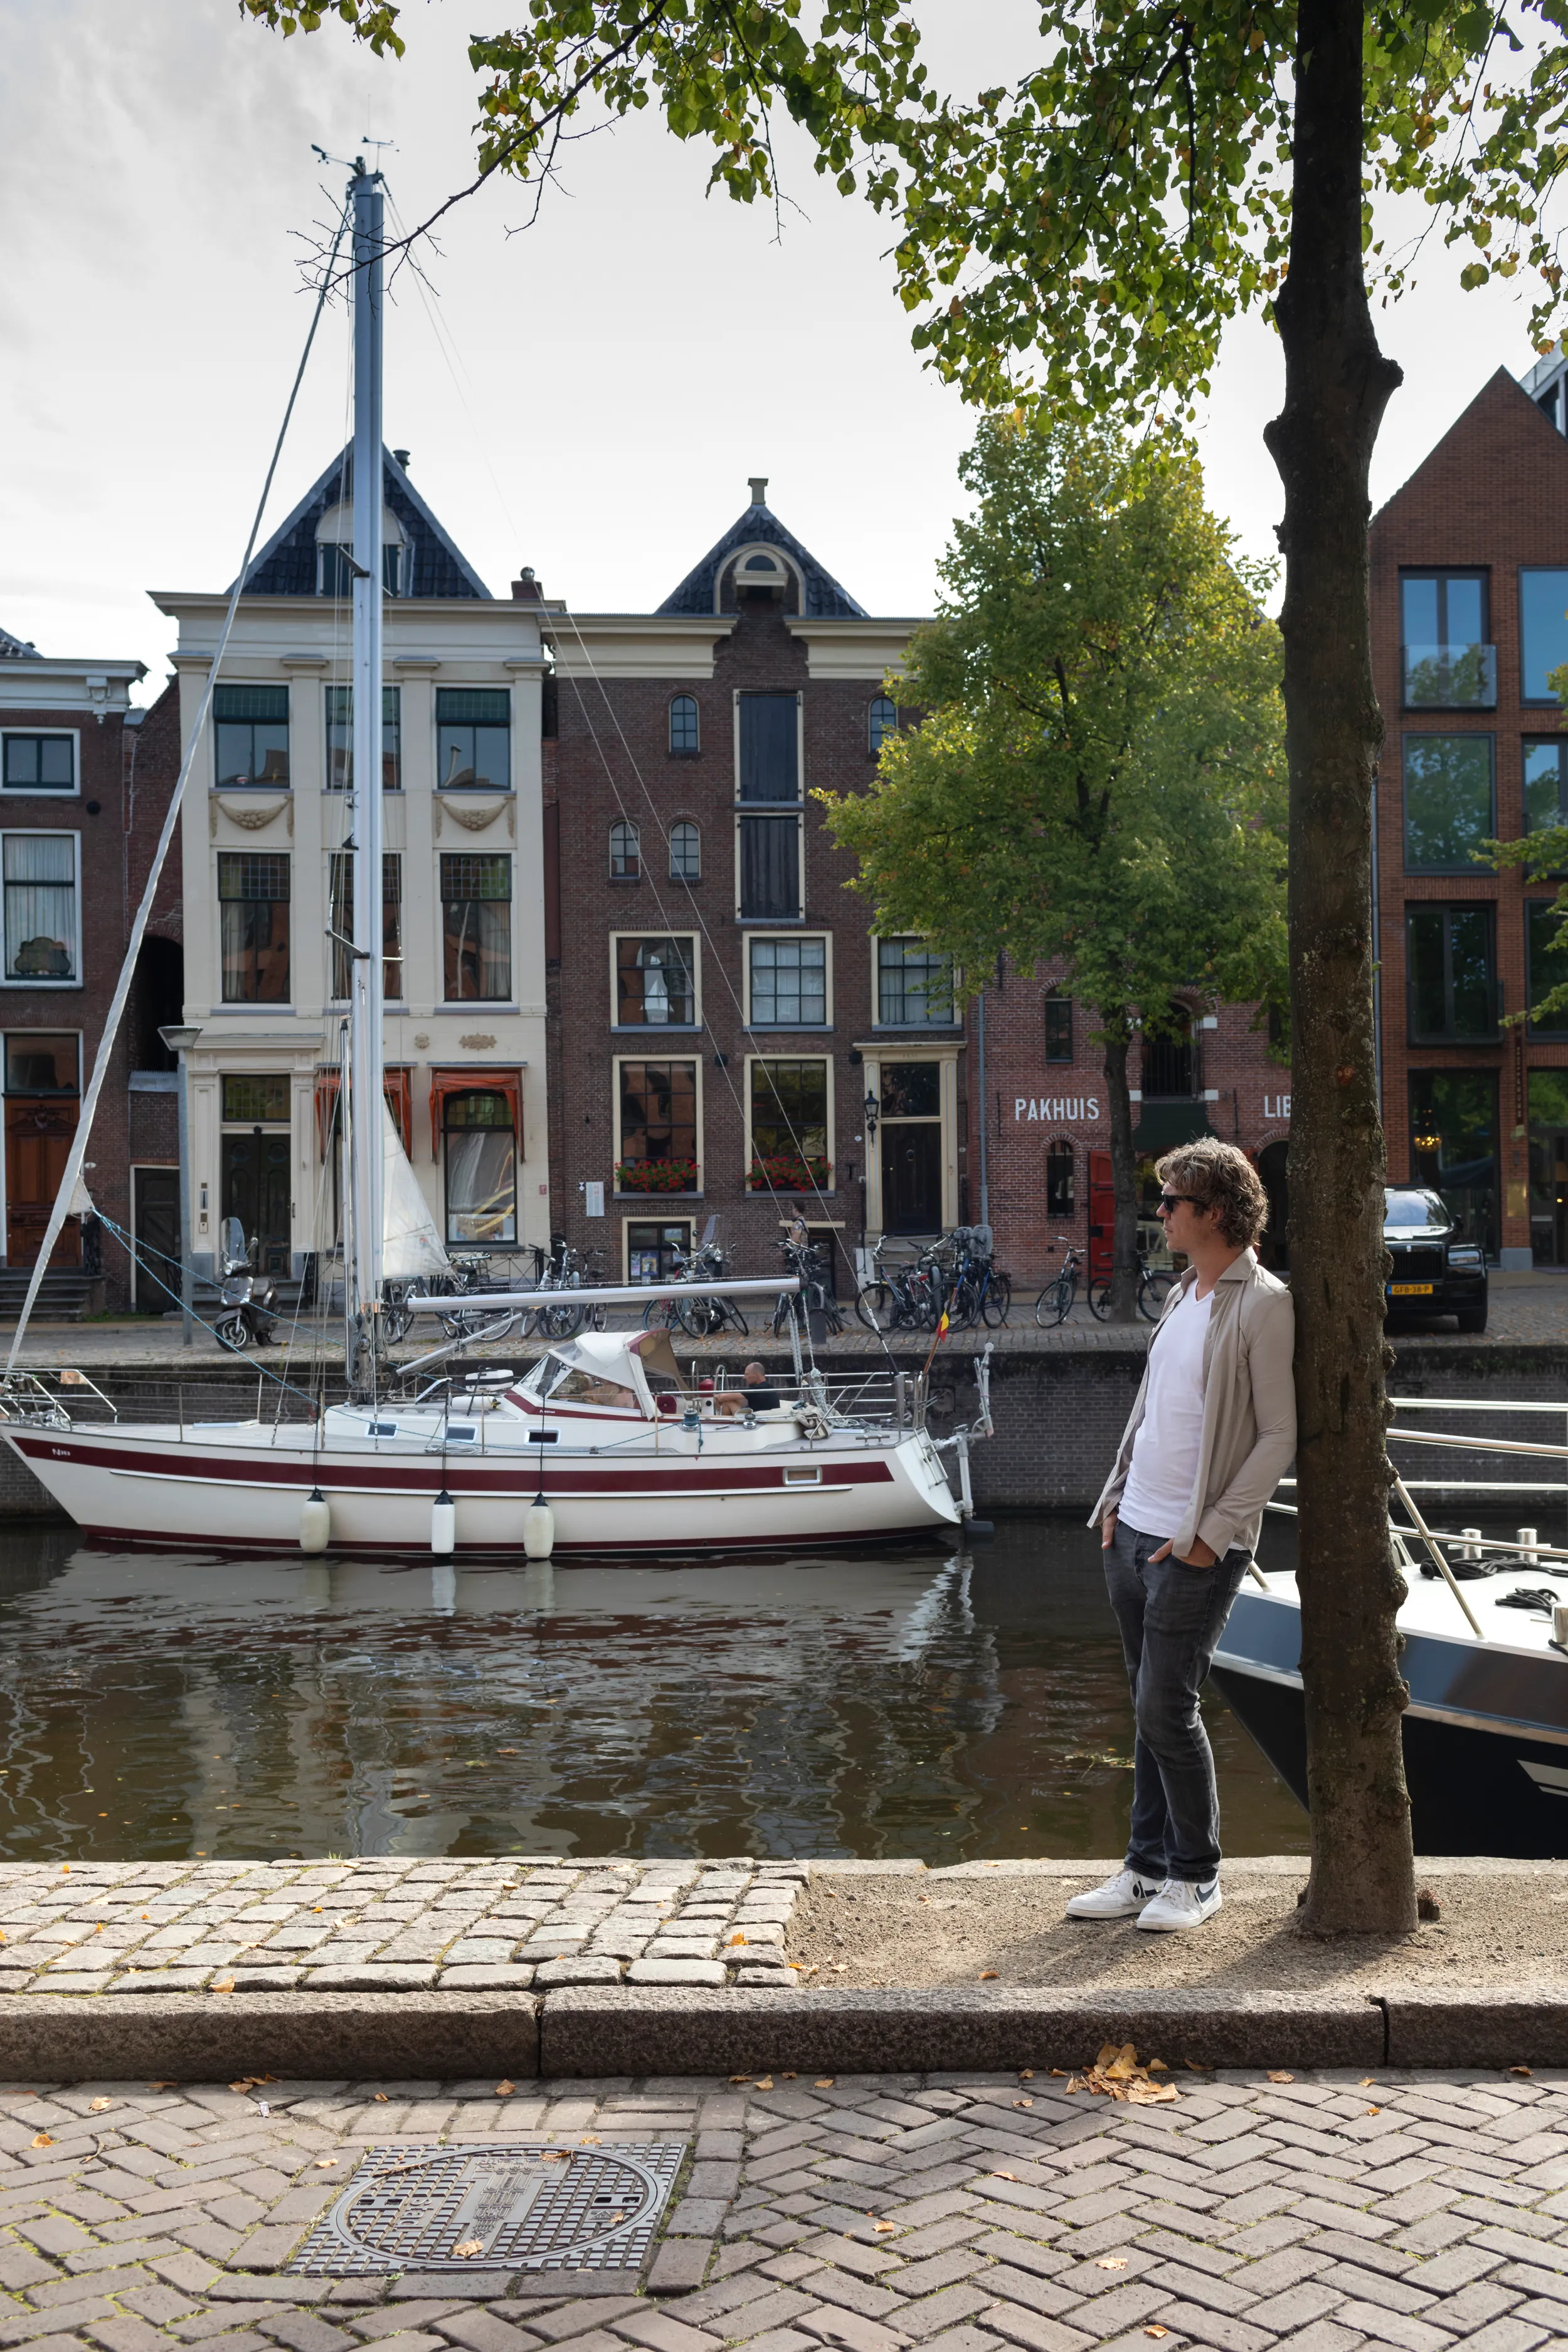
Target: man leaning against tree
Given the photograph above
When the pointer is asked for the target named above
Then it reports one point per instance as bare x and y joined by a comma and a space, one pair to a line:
1212, 1430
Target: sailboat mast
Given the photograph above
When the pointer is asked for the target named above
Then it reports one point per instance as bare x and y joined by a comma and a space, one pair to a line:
367, 1050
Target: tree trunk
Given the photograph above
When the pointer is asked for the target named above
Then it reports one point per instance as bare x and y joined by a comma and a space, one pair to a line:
1123, 1166
1337, 384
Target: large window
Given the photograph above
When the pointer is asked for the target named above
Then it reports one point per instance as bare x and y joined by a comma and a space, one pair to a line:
1058, 1029
656, 1144
768, 747
340, 738
253, 912
43, 1062
481, 1168
1449, 809
653, 1244
476, 927
789, 984
40, 764
1453, 1146
683, 728
1452, 990
1061, 1182
767, 752
685, 853
789, 1125
343, 904
1543, 632
250, 731
626, 852
655, 982
770, 869
1546, 961
256, 1101
43, 916
915, 985
1169, 1061
881, 719
1443, 633
473, 738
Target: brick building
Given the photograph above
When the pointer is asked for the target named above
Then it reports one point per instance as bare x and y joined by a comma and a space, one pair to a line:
1469, 591
85, 781
728, 1033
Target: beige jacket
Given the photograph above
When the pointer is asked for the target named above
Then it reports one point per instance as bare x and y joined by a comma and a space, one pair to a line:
1249, 1409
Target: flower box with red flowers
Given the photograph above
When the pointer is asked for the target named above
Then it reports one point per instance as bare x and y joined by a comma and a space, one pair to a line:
788, 1172
655, 1176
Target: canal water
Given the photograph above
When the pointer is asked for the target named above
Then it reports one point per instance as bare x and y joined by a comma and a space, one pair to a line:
914, 1702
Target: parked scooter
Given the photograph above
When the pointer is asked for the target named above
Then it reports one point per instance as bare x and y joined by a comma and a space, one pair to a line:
247, 1306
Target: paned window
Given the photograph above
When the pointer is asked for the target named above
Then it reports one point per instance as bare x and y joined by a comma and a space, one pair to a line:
1061, 1181
1058, 1029
1452, 987
1546, 782
1546, 954
768, 732
626, 852
770, 869
481, 1168
1449, 809
655, 986
683, 725
476, 927
652, 1244
915, 985
473, 738
40, 763
343, 901
340, 738
1453, 1146
260, 1101
789, 1126
253, 912
685, 854
1543, 632
38, 1062
789, 984
1444, 630
42, 914
250, 734
1169, 1061
881, 721
657, 1107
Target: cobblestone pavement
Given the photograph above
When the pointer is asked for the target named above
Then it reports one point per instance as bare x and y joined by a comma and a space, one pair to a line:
394, 1926
963, 2214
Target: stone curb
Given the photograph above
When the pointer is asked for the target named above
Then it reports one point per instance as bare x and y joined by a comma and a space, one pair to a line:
312, 2036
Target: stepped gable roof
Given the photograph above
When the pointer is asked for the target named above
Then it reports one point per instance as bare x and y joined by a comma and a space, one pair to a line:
16, 648
286, 566
824, 599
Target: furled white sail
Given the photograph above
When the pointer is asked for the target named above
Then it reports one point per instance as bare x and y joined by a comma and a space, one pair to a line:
412, 1245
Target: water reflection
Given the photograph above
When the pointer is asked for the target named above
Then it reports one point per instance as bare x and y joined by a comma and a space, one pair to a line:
904, 1702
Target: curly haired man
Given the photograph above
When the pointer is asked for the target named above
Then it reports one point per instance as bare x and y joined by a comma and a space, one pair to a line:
1213, 1431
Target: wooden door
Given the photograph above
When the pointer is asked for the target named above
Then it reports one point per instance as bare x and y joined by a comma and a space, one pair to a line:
1101, 1217
37, 1144
157, 1275
912, 1178
256, 1191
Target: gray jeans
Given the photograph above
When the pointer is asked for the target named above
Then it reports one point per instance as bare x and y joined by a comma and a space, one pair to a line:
1170, 1618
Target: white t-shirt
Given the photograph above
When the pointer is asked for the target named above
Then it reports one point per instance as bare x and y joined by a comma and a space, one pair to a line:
1165, 1451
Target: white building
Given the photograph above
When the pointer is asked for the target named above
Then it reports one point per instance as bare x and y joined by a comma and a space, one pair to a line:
268, 867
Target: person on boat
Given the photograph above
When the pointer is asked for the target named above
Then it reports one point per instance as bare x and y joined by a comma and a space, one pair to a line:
754, 1395
1213, 1431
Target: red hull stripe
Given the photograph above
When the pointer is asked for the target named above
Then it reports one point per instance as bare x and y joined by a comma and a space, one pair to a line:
139, 1539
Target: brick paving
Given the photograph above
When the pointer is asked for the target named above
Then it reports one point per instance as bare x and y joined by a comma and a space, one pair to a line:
960, 2213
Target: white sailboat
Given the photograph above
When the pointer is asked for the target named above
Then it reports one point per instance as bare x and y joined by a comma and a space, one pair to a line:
598, 1448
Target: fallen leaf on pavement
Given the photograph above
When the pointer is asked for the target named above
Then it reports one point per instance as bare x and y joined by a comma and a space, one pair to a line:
325, 2163
504, 2090
1156, 2331
1519, 2070
223, 1984
1367, 2083
163, 2086
380, 2098
469, 2247
985, 1974
1110, 2262
1003, 2176
740, 2078
824, 2082
1278, 2075
1023, 2103
737, 1938
1374, 2111
97, 2107
43, 2140
765, 2082
1117, 2074
884, 2228
589, 2139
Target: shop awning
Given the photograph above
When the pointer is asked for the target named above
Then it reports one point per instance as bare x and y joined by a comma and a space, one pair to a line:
444, 1084
397, 1083
1162, 1125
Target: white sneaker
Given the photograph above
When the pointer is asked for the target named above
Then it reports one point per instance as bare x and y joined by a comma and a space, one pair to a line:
1119, 1898
1180, 1903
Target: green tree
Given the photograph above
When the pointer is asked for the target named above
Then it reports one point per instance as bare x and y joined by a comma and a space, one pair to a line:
1087, 231
1101, 770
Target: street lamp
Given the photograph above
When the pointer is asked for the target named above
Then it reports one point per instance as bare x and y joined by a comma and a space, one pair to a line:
873, 1113
179, 1037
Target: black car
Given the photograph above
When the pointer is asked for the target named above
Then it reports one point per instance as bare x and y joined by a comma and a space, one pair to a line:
1435, 1270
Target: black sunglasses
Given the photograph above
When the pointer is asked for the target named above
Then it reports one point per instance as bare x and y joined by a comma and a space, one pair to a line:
1169, 1200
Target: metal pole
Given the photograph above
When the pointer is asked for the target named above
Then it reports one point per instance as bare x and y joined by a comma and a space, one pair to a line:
179, 1039
984, 1163
368, 537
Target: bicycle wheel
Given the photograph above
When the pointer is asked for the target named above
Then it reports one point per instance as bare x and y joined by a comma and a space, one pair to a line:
1051, 1305
1153, 1293
876, 1305
656, 1315
698, 1318
735, 1319
784, 1308
963, 1306
997, 1300
562, 1322
1099, 1298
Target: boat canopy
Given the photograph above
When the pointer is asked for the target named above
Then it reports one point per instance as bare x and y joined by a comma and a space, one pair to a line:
631, 1360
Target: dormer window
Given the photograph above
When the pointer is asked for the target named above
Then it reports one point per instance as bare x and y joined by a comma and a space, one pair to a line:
334, 553
756, 575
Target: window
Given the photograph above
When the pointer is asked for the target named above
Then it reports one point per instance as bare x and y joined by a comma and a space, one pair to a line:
334, 569
250, 729
253, 910
915, 985
476, 927
1545, 783
652, 1245
655, 982
40, 763
788, 1103
769, 869
1546, 962
40, 1063
481, 1168
1058, 1029
1061, 1182
1443, 632
789, 984
881, 721
473, 738
683, 735
1451, 987
657, 1148
626, 852
42, 929
1170, 1063
1543, 632
1453, 1146
342, 919
685, 854
256, 1101
1448, 808
768, 747
341, 738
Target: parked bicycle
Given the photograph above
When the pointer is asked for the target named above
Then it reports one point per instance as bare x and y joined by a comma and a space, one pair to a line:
1055, 1303
568, 1271
700, 1318
1154, 1285
979, 1290
802, 1258
899, 1298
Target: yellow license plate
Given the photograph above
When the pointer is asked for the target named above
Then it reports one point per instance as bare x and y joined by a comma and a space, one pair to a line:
1410, 1290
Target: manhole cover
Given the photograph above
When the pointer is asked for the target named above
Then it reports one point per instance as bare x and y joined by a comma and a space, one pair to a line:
520, 2207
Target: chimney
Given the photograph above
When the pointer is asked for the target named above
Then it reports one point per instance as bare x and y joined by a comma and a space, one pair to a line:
759, 488
527, 590
403, 456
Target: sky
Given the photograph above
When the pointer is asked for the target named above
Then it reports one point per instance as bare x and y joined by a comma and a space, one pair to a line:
588, 394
